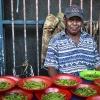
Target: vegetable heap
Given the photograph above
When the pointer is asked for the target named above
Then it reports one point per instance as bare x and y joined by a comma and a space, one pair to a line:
53, 96
85, 91
34, 85
15, 96
66, 82
4, 85
92, 75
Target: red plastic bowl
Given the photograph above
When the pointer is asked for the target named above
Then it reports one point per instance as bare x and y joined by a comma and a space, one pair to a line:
97, 97
46, 77
16, 78
54, 89
97, 82
18, 90
68, 77
85, 85
47, 82
8, 80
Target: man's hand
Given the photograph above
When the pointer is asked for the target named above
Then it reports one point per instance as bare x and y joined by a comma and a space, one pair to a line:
98, 68
52, 71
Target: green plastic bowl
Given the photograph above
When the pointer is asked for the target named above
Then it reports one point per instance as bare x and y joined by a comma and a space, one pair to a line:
90, 74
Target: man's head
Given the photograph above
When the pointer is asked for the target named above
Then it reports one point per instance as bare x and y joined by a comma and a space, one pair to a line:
73, 18
73, 10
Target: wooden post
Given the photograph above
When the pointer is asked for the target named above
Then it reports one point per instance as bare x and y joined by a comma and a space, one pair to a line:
59, 5
70, 2
99, 32
81, 4
37, 36
48, 7
91, 1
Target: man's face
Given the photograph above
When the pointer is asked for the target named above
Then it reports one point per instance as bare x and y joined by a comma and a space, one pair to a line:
73, 25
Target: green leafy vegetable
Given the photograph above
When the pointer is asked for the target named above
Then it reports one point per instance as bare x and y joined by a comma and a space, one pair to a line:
85, 91
34, 85
66, 82
53, 96
4, 85
15, 96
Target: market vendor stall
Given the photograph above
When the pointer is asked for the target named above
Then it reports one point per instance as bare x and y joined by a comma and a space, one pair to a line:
68, 85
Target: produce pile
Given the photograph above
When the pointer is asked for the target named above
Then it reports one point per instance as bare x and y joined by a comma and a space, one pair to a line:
4, 85
66, 82
34, 85
85, 91
15, 96
53, 96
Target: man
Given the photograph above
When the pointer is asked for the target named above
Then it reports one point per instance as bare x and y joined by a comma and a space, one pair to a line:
72, 50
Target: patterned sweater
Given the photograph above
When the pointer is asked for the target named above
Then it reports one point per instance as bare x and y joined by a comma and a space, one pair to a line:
65, 56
